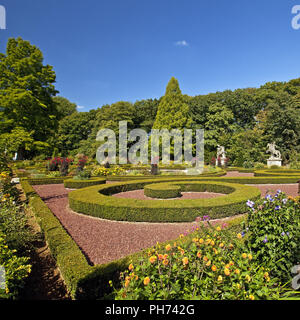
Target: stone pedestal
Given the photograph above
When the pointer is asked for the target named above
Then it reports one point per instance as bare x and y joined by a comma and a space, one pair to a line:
277, 162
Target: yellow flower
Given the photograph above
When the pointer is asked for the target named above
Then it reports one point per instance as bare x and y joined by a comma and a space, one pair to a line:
221, 245
250, 256
251, 297
185, 260
218, 228
208, 263
146, 281
212, 243
244, 255
239, 236
238, 286
168, 247
220, 278
227, 271
237, 271
248, 278
195, 240
201, 241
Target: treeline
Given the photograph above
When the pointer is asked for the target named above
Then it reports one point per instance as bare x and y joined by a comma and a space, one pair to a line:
38, 124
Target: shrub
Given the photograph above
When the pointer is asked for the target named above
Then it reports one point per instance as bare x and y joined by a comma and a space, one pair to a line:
248, 164
83, 175
16, 269
112, 171
162, 191
78, 184
213, 266
259, 165
273, 226
13, 223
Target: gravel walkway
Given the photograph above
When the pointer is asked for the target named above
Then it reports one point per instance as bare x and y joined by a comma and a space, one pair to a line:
103, 241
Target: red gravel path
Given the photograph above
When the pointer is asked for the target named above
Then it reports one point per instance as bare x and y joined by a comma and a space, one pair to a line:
139, 194
103, 241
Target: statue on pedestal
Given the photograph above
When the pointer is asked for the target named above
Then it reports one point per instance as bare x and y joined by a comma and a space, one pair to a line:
221, 156
275, 157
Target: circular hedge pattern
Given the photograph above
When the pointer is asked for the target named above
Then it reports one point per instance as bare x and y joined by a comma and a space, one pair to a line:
98, 201
162, 190
78, 184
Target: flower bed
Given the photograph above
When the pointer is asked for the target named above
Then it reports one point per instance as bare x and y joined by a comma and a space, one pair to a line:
97, 201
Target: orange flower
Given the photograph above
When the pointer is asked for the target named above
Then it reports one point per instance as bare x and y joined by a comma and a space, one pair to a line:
237, 271
146, 281
130, 267
214, 268
165, 262
205, 258
221, 245
165, 256
199, 254
251, 297
160, 257
185, 260
153, 259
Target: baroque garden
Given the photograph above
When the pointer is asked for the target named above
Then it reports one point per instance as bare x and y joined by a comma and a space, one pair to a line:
147, 231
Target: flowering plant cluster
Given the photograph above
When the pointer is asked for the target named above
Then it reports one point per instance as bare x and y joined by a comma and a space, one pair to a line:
211, 265
55, 163
272, 230
102, 171
16, 269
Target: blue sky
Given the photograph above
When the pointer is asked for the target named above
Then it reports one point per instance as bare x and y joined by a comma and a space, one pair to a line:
112, 50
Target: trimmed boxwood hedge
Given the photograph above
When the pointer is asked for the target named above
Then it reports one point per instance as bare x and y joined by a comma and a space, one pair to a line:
97, 201
162, 190
40, 181
78, 184
277, 173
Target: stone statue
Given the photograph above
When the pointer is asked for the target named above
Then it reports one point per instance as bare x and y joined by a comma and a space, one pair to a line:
221, 155
275, 158
275, 154
221, 152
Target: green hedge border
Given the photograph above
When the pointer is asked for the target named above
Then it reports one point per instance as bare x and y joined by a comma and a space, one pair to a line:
98, 202
277, 173
162, 191
78, 184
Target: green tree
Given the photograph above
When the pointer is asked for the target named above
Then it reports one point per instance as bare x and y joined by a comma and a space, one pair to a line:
26, 91
73, 129
219, 124
173, 109
64, 107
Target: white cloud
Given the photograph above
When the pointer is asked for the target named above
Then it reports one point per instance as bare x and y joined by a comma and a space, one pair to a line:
80, 107
181, 43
